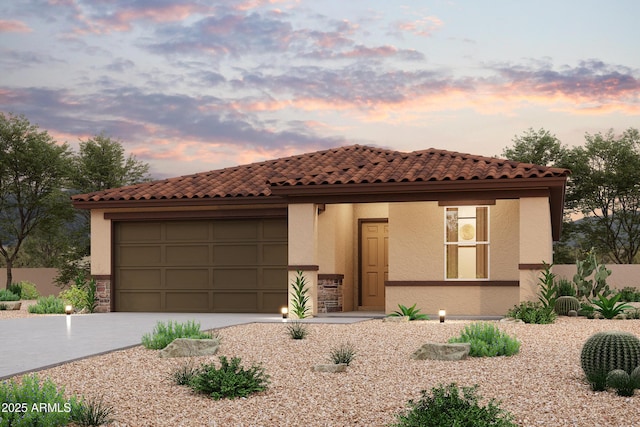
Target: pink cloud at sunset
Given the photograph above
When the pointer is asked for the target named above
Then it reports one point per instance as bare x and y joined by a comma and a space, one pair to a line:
14, 27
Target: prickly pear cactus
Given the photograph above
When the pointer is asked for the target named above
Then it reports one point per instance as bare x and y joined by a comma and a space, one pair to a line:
607, 351
565, 304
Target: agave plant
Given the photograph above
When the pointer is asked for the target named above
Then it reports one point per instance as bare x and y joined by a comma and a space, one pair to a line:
610, 307
412, 313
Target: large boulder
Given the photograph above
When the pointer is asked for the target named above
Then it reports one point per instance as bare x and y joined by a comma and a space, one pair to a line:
11, 305
440, 351
185, 347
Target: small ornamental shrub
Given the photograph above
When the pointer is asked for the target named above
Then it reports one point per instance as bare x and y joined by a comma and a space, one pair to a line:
3, 306
25, 289
297, 330
94, 412
230, 380
604, 352
533, 312
345, 353
566, 288
487, 340
74, 296
446, 407
164, 333
629, 294
34, 403
47, 305
412, 313
7, 295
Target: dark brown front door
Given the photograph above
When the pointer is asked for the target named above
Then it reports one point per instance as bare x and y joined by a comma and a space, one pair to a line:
374, 263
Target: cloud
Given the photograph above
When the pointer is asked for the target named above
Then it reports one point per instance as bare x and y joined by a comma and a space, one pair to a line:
14, 27
423, 27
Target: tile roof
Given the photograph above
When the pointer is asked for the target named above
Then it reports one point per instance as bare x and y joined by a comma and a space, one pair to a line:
355, 164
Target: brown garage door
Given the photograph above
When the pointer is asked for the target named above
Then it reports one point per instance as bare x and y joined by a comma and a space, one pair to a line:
201, 266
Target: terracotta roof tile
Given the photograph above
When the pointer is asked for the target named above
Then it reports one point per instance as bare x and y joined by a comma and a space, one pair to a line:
353, 164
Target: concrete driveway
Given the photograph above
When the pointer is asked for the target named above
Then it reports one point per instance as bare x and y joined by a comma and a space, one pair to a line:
35, 343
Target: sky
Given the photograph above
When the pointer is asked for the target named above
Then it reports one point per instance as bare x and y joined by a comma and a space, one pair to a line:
200, 85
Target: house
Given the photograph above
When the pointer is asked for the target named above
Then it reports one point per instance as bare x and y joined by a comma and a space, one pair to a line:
369, 228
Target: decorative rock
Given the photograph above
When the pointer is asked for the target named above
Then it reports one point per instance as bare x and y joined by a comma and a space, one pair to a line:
185, 347
439, 351
572, 313
396, 319
511, 320
11, 305
330, 367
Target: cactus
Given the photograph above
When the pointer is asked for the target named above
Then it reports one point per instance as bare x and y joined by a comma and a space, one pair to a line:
621, 381
606, 351
565, 304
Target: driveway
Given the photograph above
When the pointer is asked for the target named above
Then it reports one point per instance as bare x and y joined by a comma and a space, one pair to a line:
37, 343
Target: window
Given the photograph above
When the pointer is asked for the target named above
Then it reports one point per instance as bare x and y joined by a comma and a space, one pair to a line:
467, 242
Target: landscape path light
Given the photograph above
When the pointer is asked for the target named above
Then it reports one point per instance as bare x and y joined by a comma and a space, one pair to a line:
442, 314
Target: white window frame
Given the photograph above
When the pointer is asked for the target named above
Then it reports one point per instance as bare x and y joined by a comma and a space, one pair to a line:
457, 243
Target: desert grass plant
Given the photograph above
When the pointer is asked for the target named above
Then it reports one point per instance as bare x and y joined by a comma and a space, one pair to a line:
297, 330
448, 406
47, 305
93, 412
33, 402
610, 307
230, 380
487, 340
412, 313
300, 299
533, 312
344, 353
183, 374
7, 295
164, 333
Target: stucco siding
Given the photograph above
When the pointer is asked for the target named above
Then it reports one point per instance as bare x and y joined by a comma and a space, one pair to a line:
100, 243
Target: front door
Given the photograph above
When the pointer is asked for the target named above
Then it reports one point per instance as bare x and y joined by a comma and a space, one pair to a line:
374, 263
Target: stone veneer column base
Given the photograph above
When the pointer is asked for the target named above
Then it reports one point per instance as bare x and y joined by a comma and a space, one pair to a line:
103, 292
330, 293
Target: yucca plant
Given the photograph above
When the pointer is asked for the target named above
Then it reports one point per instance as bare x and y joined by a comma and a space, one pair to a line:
412, 313
297, 330
300, 299
610, 307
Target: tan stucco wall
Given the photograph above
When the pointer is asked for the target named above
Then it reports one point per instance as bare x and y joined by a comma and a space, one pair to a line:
303, 248
100, 243
536, 244
43, 278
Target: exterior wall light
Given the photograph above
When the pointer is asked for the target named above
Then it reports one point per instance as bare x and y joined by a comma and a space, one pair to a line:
285, 312
441, 314
68, 309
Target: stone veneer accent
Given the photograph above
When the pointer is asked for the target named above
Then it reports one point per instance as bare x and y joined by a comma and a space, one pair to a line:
103, 291
330, 293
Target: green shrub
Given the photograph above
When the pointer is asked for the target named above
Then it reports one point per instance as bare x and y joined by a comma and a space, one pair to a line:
7, 295
566, 288
297, 330
74, 296
533, 312
164, 333
344, 353
15, 288
565, 304
412, 313
487, 340
231, 380
94, 412
47, 305
629, 294
26, 400
445, 407
28, 290
604, 352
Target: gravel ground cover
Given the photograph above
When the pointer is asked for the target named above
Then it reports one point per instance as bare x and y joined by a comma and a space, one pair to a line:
542, 386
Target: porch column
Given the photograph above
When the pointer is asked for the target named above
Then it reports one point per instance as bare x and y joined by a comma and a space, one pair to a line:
303, 250
536, 244
101, 259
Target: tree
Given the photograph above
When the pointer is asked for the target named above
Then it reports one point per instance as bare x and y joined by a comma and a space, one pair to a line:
33, 174
537, 147
605, 189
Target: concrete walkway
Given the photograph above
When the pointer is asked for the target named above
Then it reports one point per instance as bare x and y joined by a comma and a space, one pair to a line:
37, 343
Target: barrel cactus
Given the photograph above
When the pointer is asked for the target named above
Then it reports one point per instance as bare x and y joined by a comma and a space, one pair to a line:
621, 381
565, 304
607, 351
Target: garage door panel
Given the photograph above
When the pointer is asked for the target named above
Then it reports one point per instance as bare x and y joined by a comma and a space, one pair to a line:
187, 301
235, 230
139, 301
139, 278
274, 254
187, 255
139, 255
272, 302
274, 229
140, 231
187, 278
235, 255
195, 231
235, 278
235, 301
273, 278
